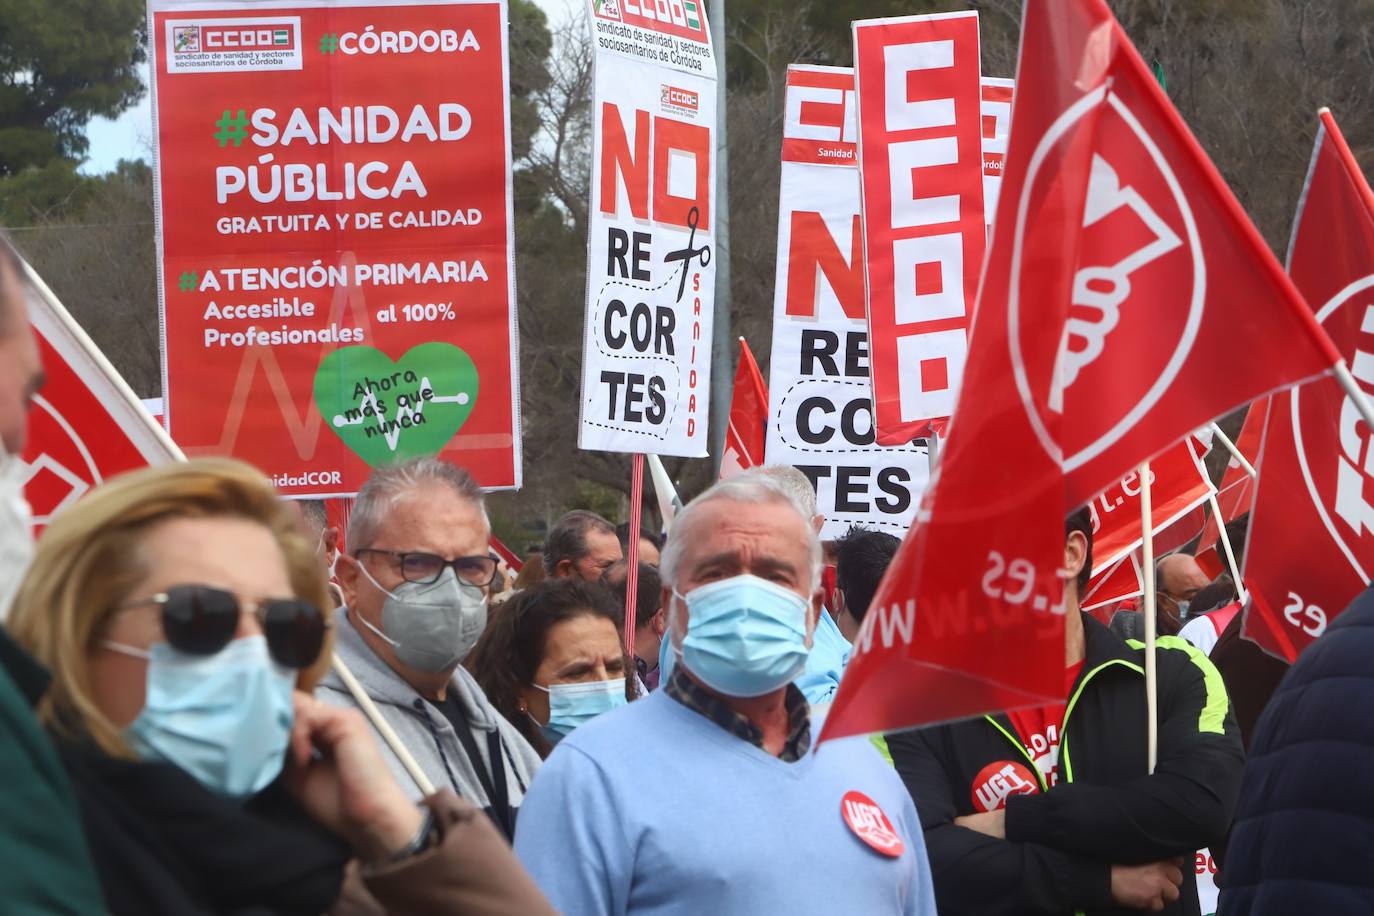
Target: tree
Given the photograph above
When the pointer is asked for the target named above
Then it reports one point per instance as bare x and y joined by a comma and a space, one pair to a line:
63, 62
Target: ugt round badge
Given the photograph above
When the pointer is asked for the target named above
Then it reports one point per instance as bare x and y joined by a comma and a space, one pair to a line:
870, 824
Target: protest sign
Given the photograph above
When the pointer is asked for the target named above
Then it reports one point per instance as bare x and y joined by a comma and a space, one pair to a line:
86, 424
334, 210
1172, 311
1316, 459
997, 95
744, 436
646, 357
820, 412
921, 172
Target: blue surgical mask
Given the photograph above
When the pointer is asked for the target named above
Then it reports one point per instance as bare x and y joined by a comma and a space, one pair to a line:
224, 718
571, 705
746, 636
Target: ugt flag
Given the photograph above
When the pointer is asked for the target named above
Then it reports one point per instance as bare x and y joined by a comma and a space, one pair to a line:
1126, 301
1312, 532
86, 424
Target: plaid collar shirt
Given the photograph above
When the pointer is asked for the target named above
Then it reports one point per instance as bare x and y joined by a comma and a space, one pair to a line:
690, 694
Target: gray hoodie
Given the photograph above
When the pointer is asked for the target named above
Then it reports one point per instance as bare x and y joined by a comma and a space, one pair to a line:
427, 733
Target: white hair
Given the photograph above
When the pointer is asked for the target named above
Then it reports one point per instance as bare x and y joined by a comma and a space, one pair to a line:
796, 484
389, 484
757, 487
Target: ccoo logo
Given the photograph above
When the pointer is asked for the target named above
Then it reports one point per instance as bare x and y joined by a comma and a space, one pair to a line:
1138, 237
1334, 449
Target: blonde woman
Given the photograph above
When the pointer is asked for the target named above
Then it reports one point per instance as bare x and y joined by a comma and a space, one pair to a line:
179, 611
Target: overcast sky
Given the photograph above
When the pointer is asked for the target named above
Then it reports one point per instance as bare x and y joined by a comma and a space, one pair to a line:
130, 135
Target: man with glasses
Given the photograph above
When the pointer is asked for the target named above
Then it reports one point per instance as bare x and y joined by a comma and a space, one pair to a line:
415, 584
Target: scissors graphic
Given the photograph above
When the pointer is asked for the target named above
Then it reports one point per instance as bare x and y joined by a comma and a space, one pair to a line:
689, 254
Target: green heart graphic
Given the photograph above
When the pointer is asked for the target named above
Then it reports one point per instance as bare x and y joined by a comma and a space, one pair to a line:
389, 411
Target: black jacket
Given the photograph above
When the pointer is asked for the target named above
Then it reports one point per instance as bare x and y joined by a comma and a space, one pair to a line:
1105, 809
1303, 841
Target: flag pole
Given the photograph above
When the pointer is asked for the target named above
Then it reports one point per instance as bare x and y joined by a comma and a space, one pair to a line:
1147, 561
1235, 452
632, 549
933, 451
1355, 393
1226, 547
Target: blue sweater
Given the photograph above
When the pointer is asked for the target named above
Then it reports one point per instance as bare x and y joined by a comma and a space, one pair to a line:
654, 809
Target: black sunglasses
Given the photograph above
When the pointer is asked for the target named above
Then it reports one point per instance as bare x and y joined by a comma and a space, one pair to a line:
426, 568
201, 620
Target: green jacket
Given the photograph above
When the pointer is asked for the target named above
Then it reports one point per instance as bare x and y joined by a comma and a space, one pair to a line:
45, 867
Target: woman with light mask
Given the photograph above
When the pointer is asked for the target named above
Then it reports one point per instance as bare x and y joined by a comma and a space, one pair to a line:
552, 659
178, 608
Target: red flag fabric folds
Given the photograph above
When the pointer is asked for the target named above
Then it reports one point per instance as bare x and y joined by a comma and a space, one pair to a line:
1312, 533
745, 436
1126, 301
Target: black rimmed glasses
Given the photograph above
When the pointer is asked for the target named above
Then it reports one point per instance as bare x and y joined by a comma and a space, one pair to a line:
426, 568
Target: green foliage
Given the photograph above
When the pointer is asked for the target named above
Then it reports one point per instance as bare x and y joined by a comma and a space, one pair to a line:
63, 62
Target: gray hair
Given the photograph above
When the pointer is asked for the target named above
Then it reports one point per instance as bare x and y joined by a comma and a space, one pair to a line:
796, 484
567, 539
756, 486
315, 513
391, 483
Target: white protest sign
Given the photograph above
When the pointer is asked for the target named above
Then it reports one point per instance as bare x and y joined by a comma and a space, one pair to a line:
820, 412
997, 95
646, 359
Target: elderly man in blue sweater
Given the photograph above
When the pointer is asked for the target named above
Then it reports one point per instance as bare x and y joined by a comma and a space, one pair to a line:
742, 815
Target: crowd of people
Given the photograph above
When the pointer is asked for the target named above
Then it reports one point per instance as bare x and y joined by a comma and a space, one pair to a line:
213, 702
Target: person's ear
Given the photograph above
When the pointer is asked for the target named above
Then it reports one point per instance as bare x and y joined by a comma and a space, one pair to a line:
839, 603
659, 622
1075, 554
564, 569
818, 522
348, 575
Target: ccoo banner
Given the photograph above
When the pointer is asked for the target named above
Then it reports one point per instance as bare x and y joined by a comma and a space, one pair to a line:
921, 171
334, 212
820, 417
997, 95
646, 357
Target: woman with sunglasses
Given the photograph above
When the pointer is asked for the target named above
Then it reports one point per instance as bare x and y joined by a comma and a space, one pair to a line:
179, 611
552, 659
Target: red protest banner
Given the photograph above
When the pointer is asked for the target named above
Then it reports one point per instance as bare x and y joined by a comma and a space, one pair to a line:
1178, 484
745, 436
86, 424
1317, 457
921, 172
1171, 311
334, 203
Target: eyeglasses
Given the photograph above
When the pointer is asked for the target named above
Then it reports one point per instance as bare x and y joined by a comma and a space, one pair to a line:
201, 620
426, 568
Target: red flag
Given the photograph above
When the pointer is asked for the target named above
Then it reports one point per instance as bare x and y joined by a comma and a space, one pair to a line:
1312, 533
748, 417
86, 424
1178, 485
1115, 583
1126, 301
511, 557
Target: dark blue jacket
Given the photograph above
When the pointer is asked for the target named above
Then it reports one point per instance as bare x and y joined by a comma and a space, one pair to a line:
1303, 840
